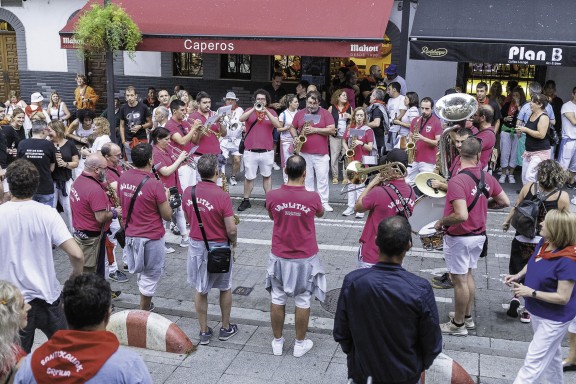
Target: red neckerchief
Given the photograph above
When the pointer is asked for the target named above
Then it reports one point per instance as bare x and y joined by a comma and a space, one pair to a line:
512, 109
344, 109
568, 252
260, 115
370, 79
29, 111
72, 356
379, 102
485, 102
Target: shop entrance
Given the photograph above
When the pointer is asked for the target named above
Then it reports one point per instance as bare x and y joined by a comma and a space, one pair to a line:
8, 62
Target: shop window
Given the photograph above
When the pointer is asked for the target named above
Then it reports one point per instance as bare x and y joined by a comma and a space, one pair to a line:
4, 26
235, 67
289, 66
490, 73
188, 64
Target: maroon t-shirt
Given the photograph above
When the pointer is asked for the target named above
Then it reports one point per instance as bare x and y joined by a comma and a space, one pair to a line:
162, 159
429, 128
462, 187
315, 144
113, 173
488, 138
293, 209
87, 196
367, 138
145, 220
210, 143
214, 205
261, 133
183, 128
381, 206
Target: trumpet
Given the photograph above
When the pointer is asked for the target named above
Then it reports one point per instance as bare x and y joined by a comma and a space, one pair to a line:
258, 106
125, 165
189, 160
205, 131
357, 175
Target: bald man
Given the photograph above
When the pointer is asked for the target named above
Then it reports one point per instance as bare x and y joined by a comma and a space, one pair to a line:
92, 212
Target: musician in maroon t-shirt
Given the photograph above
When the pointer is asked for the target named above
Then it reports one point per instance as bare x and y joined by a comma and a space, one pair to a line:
294, 268
144, 228
464, 223
92, 212
482, 120
206, 138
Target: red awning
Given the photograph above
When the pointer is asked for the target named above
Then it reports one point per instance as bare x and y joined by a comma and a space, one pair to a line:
336, 28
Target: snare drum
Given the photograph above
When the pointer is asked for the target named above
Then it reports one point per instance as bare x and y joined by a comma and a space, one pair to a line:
431, 239
426, 208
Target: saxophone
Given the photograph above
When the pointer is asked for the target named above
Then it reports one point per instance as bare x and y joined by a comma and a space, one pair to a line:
113, 197
349, 157
411, 145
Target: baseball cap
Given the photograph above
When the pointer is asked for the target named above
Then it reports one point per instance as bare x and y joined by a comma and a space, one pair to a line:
230, 96
391, 70
394, 155
36, 97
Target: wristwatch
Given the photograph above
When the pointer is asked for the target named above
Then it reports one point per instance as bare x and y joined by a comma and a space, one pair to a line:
534, 293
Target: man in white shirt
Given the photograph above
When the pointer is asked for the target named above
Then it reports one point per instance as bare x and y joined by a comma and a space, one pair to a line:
231, 142
28, 231
567, 155
396, 110
393, 76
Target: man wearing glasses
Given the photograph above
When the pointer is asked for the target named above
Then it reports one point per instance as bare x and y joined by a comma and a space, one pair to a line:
259, 144
317, 128
92, 212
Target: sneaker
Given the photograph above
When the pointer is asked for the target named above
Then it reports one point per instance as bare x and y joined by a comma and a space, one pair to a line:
276, 167
502, 179
511, 179
513, 309
442, 278
152, 307
174, 229
233, 181
115, 294
244, 205
328, 208
169, 250
450, 329
118, 276
205, 336
525, 317
300, 349
334, 180
225, 334
359, 215
446, 284
468, 321
277, 347
185, 242
349, 211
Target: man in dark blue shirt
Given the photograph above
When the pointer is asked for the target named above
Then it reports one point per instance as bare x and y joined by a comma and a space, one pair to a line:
387, 319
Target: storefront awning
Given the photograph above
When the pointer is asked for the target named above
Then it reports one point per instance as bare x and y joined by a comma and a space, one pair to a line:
336, 28
508, 32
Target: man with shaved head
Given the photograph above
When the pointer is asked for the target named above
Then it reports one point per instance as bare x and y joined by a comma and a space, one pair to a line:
92, 212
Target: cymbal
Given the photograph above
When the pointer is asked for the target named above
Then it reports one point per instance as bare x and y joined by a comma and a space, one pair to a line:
423, 183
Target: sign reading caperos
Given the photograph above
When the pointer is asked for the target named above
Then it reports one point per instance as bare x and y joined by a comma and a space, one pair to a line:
205, 46
493, 52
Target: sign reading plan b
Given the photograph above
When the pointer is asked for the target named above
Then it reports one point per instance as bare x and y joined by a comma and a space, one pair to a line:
519, 54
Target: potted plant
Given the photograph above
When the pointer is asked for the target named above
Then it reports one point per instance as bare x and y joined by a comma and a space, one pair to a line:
106, 28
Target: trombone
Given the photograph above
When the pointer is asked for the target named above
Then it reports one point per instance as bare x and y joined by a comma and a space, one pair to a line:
359, 175
125, 165
189, 160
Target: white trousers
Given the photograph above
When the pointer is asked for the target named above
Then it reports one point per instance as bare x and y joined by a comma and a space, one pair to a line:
544, 357
64, 202
317, 165
187, 176
530, 168
508, 150
114, 227
354, 195
417, 167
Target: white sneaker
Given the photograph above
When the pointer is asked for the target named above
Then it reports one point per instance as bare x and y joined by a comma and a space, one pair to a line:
276, 167
277, 347
185, 242
233, 181
511, 179
349, 211
359, 215
502, 179
169, 250
305, 346
328, 208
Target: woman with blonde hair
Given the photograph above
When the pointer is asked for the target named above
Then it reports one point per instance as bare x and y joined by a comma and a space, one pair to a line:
13, 317
341, 111
363, 144
548, 290
67, 159
57, 109
99, 137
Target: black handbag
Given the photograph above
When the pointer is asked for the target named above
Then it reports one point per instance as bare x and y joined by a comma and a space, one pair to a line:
219, 258
241, 145
120, 235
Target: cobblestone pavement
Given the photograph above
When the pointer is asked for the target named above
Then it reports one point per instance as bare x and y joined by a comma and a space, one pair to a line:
492, 353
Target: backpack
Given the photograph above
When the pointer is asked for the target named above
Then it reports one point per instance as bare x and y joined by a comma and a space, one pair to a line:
525, 217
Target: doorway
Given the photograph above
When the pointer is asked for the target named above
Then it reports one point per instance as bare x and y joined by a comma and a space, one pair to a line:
8, 62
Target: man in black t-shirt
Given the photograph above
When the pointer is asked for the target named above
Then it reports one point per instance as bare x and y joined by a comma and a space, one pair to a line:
134, 121
378, 120
42, 154
369, 83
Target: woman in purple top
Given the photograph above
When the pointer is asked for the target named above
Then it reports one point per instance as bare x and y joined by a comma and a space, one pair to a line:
548, 291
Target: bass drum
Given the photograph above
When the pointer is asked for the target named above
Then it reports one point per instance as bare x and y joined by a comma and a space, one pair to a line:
426, 210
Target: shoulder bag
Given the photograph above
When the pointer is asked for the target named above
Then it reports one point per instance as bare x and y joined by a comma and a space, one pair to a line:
241, 145
219, 258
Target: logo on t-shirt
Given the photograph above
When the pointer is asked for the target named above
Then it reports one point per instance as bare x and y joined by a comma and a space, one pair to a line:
283, 206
